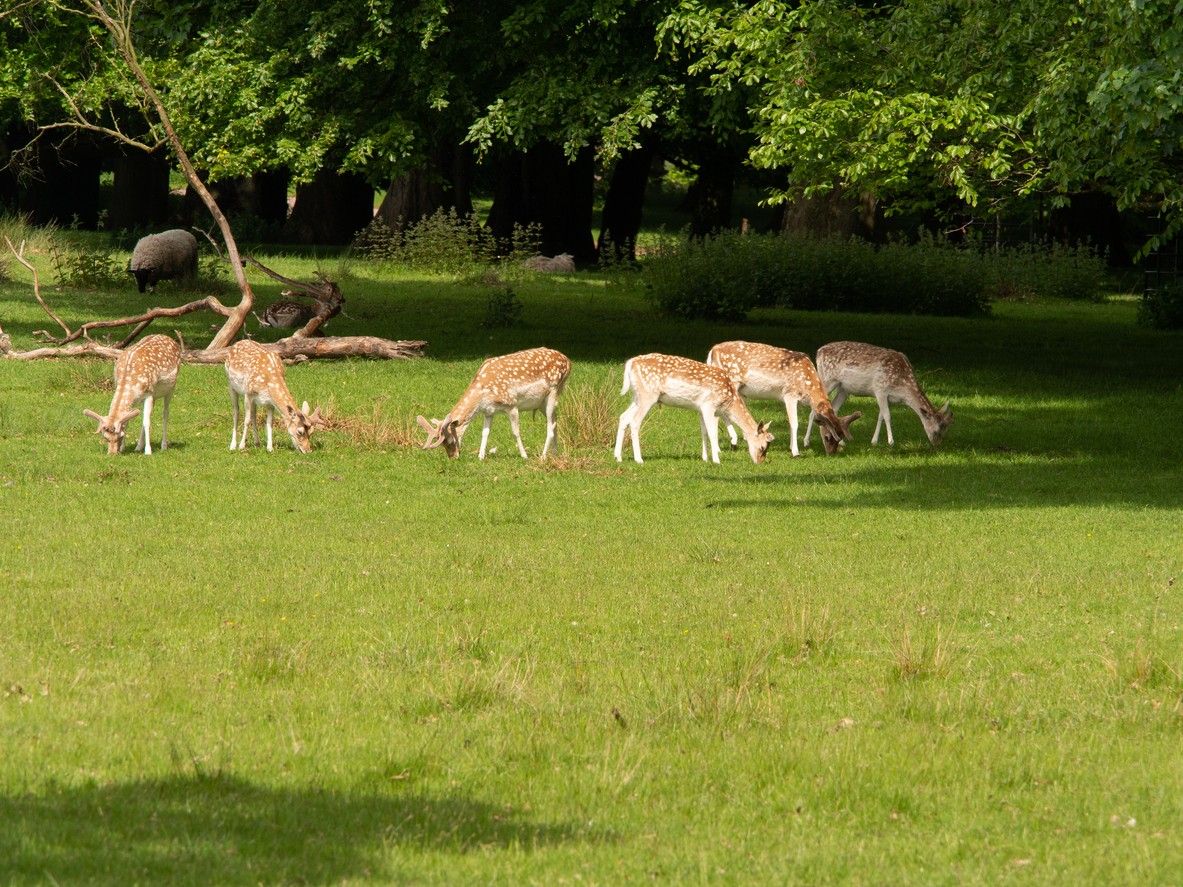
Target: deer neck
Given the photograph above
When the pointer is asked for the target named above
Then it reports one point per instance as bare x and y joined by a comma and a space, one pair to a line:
465, 408
919, 403
281, 395
126, 394
737, 413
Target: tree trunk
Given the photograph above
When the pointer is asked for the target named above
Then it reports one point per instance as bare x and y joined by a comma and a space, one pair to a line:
444, 181
709, 198
66, 189
139, 197
542, 187
834, 214
331, 209
621, 220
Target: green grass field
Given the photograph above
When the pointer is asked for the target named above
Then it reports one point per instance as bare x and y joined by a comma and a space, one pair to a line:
371, 664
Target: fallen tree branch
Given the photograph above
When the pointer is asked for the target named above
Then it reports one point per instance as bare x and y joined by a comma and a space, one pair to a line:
20, 257
294, 347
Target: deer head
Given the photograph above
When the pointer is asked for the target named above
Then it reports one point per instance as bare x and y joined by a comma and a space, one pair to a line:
441, 432
112, 431
937, 424
300, 425
758, 445
836, 430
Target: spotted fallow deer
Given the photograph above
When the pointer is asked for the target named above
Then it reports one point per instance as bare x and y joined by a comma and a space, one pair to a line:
256, 374
144, 372
857, 368
765, 372
525, 380
682, 382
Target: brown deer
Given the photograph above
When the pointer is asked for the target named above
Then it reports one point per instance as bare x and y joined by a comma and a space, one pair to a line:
857, 368
144, 372
256, 374
765, 372
525, 380
682, 382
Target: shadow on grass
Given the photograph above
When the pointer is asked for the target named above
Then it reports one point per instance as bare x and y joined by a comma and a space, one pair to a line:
909, 481
225, 830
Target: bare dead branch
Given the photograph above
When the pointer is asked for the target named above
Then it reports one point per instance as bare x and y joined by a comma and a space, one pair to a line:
20, 257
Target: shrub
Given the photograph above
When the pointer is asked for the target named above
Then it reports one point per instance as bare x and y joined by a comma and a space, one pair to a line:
444, 242
1057, 272
725, 276
1162, 307
504, 309
88, 268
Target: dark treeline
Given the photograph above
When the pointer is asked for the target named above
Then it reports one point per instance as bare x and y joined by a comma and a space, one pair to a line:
849, 119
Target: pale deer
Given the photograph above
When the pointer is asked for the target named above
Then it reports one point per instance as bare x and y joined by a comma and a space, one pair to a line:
525, 380
256, 374
856, 368
144, 372
765, 372
682, 382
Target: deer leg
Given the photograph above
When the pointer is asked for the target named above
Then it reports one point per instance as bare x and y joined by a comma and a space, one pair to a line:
270, 414
248, 419
145, 442
710, 428
626, 419
552, 401
485, 435
234, 421
515, 426
791, 410
641, 410
702, 428
885, 412
168, 399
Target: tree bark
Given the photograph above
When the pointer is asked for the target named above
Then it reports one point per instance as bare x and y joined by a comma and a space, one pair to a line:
709, 198
623, 204
139, 196
443, 181
543, 187
65, 191
331, 208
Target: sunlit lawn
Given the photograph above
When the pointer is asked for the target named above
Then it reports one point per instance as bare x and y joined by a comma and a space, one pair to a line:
372, 664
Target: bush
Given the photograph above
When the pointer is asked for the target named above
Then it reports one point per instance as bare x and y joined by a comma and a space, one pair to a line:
87, 268
503, 309
444, 242
1058, 272
1162, 307
725, 276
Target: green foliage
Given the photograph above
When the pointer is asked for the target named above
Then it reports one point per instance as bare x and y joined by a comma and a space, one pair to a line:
445, 242
1162, 307
1054, 272
503, 308
725, 276
88, 267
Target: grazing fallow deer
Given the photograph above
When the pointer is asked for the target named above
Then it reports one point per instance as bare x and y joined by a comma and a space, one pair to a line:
857, 368
525, 380
765, 372
682, 382
256, 374
144, 372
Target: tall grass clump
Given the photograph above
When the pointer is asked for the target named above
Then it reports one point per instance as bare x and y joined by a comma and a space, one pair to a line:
725, 276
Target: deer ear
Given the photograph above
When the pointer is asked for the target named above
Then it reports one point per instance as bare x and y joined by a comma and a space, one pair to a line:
762, 428
947, 411
304, 408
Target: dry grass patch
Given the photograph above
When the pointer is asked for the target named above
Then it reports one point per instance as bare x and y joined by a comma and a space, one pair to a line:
376, 431
916, 658
587, 417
